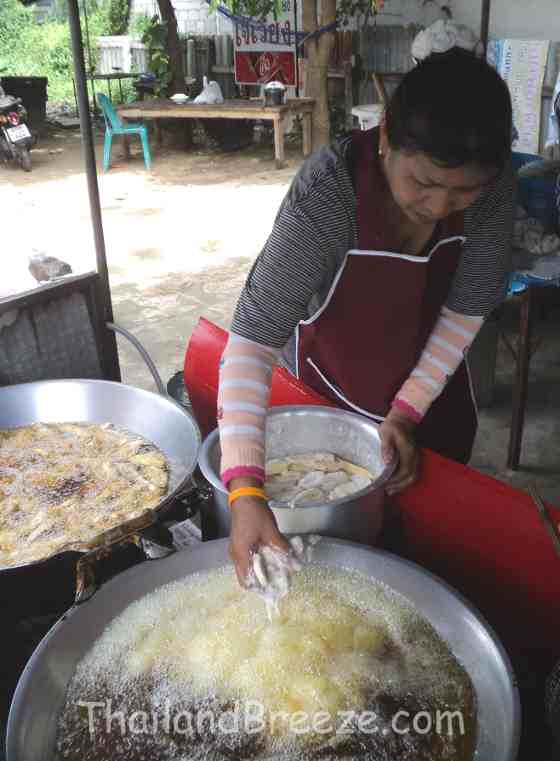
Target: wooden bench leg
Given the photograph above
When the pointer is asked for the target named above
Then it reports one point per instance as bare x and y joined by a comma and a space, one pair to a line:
159, 133
126, 146
307, 133
521, 379
279, 142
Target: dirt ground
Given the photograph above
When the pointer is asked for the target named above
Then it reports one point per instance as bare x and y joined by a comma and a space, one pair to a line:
180, 238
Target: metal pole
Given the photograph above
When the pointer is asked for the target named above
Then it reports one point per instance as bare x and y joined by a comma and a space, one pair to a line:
485, 24
88, 48
109, 356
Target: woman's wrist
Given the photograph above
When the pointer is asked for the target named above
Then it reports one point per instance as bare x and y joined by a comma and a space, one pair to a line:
247, 483
231, 474
243, 482
401, 417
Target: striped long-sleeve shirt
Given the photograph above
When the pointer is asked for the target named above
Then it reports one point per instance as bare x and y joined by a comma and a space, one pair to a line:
315, 227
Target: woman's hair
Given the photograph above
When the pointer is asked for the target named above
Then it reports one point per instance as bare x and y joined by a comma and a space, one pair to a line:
455, 108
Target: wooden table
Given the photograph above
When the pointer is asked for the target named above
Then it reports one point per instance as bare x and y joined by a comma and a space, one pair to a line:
162, 108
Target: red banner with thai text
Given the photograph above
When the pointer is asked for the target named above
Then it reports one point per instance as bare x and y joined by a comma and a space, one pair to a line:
259, 67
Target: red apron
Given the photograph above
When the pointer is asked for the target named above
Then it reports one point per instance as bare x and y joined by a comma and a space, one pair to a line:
365, 340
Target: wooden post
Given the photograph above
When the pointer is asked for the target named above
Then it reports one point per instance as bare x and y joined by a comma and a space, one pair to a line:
307, 133
279, 141
348, 97
380, 88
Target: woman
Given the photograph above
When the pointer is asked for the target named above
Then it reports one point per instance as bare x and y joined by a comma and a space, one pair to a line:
387, 254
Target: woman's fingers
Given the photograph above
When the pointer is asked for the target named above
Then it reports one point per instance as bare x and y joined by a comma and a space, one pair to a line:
253, 525
241, 557
388, 448
403, 479
396, 439
276, 540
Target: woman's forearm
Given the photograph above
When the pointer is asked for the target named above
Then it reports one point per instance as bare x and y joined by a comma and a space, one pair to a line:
243, 398
449, 341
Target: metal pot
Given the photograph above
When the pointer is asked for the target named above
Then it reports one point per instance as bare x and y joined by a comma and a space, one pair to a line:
157, 418
298, 430
40, 693
274, 94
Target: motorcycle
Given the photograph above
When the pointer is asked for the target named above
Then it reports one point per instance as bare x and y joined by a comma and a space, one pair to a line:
16, 139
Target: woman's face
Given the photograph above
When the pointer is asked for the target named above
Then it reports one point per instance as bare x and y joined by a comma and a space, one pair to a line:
426, 192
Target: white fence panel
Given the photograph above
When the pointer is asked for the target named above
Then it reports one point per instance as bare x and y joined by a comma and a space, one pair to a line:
138, 57
121, 53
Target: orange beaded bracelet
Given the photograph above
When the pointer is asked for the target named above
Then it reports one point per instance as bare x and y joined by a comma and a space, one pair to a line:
246, 491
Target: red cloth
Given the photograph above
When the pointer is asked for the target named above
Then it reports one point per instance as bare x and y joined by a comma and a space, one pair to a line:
483, 537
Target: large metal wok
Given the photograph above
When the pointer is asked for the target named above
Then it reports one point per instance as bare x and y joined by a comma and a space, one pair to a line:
40, 694
156, 417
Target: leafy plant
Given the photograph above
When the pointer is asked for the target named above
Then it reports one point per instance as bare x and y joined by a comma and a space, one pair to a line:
30, 49
119, 15
347, 9
138, 24
14, 19
155, 40
256, 9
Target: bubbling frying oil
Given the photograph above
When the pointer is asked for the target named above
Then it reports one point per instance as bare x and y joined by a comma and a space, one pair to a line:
345, 657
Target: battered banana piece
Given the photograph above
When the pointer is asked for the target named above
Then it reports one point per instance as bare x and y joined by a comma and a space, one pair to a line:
314, 477
67, 483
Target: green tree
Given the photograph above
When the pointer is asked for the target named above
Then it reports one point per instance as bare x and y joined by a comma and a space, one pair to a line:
119, 16
174, 48
14, 18
155, 38
30, 49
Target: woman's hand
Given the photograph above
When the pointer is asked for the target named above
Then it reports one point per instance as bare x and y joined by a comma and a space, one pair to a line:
252, 524
397, 440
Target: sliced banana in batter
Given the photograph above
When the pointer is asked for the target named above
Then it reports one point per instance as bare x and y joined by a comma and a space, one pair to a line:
308, 495
276, 467
313, 477
355, 470
312, 480
59, 483
334, 479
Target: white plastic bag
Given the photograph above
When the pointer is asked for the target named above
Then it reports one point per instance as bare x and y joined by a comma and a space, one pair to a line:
211, 94
442, 36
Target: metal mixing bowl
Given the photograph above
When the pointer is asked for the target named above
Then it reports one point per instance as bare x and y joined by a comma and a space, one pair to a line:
298, 430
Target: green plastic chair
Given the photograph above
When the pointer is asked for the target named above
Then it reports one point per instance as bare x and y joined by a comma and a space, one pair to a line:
114, 126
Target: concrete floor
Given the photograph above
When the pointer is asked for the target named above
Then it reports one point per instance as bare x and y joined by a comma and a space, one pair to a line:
540, 455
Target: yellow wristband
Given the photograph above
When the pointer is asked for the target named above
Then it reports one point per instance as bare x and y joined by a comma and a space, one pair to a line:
246, 491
